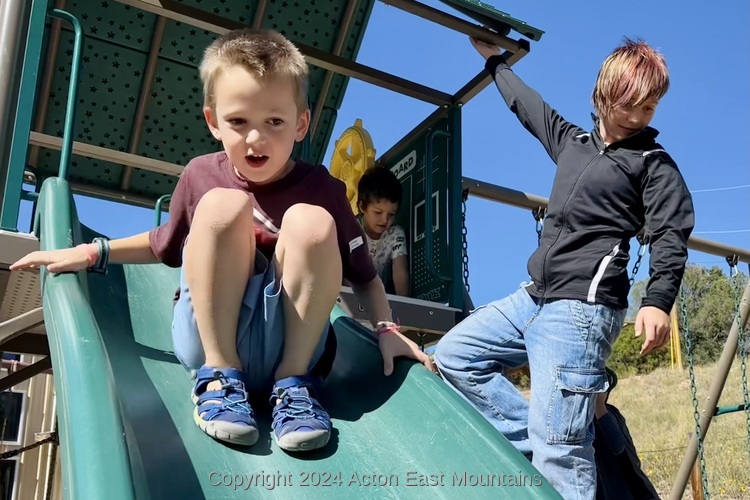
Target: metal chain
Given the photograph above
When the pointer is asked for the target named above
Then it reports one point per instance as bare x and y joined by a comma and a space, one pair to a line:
53, 460
693, 390
741, 341
13, 453
641, 252
539, 215
464, 240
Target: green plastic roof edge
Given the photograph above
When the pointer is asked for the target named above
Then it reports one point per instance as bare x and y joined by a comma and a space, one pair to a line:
495, 19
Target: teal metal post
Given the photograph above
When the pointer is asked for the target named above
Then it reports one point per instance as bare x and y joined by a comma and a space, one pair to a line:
70, 109
455, 193
27, 94
160, 207
429, 216
11, 196
13, 19
307, 141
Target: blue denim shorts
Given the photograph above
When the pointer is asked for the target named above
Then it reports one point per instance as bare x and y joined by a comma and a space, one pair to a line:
260, 330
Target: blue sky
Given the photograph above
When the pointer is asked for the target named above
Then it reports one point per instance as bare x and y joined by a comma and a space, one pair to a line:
703, 119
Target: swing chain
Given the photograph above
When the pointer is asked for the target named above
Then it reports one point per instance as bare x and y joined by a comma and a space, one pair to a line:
643, 242
539, 215
14, 453
741, 340
693, 390
464, 239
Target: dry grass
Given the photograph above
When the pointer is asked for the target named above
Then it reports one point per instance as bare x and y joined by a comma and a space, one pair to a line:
658, 408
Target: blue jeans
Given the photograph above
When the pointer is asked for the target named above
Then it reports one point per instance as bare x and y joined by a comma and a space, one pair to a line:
566, 344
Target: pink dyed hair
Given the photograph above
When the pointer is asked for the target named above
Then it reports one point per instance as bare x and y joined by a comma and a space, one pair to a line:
632, 74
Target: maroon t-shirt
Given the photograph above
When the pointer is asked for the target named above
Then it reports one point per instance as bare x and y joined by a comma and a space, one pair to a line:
305, 183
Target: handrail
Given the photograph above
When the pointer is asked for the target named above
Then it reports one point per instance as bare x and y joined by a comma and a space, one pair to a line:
70, 109
95, 461
520, 199
158, 208
428, 215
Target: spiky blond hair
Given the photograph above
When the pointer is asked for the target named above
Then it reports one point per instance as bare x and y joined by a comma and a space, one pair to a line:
265, 54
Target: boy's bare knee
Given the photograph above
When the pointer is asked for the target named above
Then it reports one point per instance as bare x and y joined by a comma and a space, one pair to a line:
309, 224
222, 208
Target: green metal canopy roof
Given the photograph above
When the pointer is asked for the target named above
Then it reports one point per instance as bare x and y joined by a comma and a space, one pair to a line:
139, 76
495, 19
139, 118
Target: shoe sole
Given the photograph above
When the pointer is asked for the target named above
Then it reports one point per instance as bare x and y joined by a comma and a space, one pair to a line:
247, 436
303, 441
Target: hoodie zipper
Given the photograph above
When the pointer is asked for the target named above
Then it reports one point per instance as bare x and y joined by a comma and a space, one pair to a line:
563, 217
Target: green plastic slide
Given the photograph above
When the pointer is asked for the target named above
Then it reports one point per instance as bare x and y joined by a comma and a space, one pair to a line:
125, 416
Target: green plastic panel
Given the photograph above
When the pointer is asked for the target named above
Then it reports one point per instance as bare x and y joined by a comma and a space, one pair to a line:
118, 39
89, 420
498, 20
125, 417
409, 166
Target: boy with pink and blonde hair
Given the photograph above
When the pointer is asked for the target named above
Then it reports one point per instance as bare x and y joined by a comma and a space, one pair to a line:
611, 183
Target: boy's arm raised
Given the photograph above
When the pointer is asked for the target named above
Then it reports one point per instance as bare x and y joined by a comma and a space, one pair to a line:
533, 112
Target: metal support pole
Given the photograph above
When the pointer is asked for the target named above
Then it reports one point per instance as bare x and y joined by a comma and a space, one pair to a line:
712, 399
530, 201
458, 291
13, 159
351, 8
454, 23
140, 112
46, 83
75, 68
25, 373
14, 327
315, 56
260, 14
13, 20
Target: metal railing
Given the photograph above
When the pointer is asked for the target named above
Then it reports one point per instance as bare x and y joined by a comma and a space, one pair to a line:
519, 199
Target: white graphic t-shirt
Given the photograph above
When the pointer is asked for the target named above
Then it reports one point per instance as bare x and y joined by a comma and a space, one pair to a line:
384, 250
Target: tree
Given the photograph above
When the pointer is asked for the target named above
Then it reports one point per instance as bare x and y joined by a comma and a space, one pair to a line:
626, 356
710, 309
636, 295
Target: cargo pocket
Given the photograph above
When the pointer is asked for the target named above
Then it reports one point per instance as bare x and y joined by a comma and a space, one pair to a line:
572, 405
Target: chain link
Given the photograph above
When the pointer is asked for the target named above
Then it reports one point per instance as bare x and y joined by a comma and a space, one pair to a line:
693, 390
14, 453
53, 460
741, 340
539, 215
641, 252
464, 240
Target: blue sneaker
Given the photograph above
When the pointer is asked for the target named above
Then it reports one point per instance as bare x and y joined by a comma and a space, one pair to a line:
224, 414
299, 422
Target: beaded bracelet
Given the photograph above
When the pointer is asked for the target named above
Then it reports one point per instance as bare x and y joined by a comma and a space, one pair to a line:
384, 327
103, 260
97, 255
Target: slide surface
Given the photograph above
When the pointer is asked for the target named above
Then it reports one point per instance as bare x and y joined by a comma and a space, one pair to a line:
125, 415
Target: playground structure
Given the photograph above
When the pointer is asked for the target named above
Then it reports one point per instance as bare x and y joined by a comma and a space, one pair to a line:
120, 126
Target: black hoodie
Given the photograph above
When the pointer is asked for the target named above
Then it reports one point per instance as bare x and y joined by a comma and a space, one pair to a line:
601, 198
